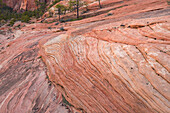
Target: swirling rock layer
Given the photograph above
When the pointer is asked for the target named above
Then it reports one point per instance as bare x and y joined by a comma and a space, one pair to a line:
116, 60
24, 84
114, 69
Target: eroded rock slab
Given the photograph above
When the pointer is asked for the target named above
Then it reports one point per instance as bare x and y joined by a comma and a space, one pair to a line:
24, 84
116, 60
114, 69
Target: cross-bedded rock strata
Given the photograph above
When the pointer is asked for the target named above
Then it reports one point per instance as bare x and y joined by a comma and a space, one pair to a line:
114, 69
117, 60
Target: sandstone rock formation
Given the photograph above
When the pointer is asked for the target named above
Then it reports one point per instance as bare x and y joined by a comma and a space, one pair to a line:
24, 85
114, 69
23, 4
28, 4
117, 60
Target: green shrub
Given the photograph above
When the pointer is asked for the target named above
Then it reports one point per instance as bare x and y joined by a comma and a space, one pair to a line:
25, 18
109, 14
62, 28
46, 21
11, 23
68, 20
62, 20
49, 28
56, 23
80, 18
168, 2
65, 101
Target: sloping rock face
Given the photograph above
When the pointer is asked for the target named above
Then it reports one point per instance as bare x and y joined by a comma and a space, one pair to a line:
24, 84
123, 69
117, 60
115, 65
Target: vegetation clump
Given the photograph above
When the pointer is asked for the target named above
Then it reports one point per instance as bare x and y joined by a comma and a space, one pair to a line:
80, 18
65, 101
49, 28
61, 9
8, 14
109, 14
12, 21
61, 28
56, 23
54, 2
25, 18
168, 2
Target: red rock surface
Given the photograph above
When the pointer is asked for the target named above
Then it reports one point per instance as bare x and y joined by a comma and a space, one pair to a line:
24, 84
23, 4
105, 63
114, 70
29, 4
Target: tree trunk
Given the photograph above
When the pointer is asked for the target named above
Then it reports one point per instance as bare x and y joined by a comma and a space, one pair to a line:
65, 11
100, 4
59, 13
77, 8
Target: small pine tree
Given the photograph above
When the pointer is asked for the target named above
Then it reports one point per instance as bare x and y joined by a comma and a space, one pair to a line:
72, 5
60, 8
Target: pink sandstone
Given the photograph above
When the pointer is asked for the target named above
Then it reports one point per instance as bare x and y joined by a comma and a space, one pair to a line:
116, 63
